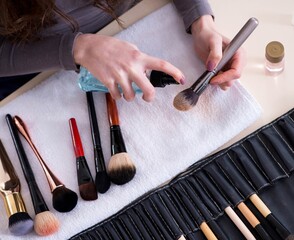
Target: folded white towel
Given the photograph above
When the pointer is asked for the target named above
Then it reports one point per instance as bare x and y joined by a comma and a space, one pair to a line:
161, 140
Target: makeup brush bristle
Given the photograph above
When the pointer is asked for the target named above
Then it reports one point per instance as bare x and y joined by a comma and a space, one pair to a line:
121, 169
20, 223
290, 237
64, 199
88, 191
185, 100
46, 223
102, 181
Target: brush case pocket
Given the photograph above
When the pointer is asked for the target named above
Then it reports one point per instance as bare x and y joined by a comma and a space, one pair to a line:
260, 164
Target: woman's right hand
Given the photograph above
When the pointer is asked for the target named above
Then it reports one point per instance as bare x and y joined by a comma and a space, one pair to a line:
115, 62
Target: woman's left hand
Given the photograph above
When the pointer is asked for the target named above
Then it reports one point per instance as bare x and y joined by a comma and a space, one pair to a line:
209, 45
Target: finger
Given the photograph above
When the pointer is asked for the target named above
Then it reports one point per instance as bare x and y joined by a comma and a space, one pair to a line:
144, 84
226, 85
164, 66
215, 53
113, 89
126, 86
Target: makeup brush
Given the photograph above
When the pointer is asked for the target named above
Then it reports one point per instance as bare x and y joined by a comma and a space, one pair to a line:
102, 180
202, 224
236, 177
45, 222
188, 98
232, 194
223, 204
63, 199
121, 169
19, 221
87, 186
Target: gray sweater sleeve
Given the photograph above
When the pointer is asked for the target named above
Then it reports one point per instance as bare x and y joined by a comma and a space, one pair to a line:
191, 10
50, 53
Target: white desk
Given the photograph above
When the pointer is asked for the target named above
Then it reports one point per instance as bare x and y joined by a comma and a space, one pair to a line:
275, 94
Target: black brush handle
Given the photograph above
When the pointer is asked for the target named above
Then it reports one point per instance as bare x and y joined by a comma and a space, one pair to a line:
280, 228
36, 195
98, 153
117, 141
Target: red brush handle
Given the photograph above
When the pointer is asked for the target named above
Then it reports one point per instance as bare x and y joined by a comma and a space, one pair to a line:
76, 140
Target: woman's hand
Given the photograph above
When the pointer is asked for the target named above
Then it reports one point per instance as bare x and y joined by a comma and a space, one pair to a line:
209, 45
115, 62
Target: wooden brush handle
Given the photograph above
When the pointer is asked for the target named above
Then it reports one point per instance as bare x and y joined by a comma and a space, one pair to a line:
112, 110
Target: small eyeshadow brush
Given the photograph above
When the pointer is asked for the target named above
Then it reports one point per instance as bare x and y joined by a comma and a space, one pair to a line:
19, 221
121, 169
102, 180
87, 186
45, 222
64, 199
188, 98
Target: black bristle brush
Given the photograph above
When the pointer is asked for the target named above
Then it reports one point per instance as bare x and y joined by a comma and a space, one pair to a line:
45, 222
19, 221
121, 169
63, 199
102, 180
188, 98
86, 184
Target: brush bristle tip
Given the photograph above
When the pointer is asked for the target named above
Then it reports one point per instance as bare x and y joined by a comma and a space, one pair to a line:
46, 223
88, 191
102, 182
20, 224
64, 199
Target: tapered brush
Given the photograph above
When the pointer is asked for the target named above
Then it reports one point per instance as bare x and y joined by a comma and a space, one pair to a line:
188, 98
87, 186
102, 180
121, 169
45, 222
63, 199
19, 221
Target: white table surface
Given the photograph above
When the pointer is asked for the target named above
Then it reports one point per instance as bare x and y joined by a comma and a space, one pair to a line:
275, 94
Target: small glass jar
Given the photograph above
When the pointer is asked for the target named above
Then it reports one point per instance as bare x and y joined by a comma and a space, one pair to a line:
274, 54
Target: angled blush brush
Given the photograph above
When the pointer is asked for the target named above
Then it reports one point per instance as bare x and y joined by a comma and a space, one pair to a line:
188, 98
19, 221
87, 186
45, 222
121, 169
102, 180
64, 199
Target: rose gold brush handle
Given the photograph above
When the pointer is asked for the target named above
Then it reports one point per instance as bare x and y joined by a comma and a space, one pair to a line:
51, 178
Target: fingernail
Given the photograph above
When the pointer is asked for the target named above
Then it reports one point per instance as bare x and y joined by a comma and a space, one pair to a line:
210, 66
182, 81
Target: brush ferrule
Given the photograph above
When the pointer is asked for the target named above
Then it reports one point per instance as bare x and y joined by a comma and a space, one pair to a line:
117, 141
83, 171
202, 82
14, 203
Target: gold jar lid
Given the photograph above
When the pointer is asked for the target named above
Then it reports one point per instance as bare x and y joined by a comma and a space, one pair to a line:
274, 52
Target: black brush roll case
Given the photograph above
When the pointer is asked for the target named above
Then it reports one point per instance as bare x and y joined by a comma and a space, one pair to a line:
260, 165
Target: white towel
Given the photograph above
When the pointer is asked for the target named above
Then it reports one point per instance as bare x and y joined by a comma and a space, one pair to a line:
161, 140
